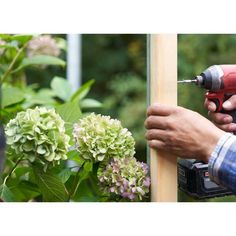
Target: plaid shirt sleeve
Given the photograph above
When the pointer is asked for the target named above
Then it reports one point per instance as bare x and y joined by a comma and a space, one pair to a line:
222, 163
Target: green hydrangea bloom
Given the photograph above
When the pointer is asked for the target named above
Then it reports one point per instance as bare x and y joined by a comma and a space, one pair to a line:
99, 138
125, 177
38, 133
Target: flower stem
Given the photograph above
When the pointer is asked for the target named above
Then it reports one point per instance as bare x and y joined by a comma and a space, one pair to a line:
10, 67
8, 71
12, 170
76, 183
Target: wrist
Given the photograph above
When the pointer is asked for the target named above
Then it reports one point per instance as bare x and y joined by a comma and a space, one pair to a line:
211, 143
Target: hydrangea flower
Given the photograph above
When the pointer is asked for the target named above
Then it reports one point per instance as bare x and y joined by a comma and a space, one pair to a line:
43, 45
38, 134
125, 177
99, 138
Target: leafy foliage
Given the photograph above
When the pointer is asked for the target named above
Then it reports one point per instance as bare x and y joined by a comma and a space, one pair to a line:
40, 60
33, 69
61, 88
52, 188
8, 99
6, 194
70, 113
21, 180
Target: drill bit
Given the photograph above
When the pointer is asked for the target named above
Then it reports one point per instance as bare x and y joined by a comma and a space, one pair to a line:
188, 81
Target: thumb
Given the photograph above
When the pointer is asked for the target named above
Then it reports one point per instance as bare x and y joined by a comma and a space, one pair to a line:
230, 104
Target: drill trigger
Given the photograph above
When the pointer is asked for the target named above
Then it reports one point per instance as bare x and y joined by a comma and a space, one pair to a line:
217, 98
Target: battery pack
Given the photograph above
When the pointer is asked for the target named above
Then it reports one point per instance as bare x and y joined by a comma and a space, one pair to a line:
193, 179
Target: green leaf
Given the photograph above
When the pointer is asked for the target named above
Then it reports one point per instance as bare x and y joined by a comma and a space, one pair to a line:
90, 103
5, 37
61, 88
70, 113
22, 170
64, 175
42, 97
83, 173
74, 156
52, 188
88, 166
24, 191
40, 60
88, 190
5, 194
23, 38
82, 91
9, 45
11, 95
27, 185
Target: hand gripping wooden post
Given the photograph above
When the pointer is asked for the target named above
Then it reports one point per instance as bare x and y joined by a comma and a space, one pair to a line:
163, 89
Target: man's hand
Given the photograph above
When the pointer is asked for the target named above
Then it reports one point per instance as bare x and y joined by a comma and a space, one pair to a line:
180, 131
223, 121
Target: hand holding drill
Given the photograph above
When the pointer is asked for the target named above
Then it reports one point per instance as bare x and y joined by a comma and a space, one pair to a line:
220, 81
221, 120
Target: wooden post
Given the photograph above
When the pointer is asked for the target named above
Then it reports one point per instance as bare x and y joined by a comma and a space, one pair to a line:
163, 89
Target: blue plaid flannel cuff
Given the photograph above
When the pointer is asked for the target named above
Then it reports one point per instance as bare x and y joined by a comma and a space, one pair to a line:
222, 159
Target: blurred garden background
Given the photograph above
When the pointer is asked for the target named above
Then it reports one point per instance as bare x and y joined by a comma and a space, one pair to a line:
113, 71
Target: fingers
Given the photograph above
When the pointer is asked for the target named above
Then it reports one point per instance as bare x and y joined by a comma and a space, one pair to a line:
220, 118
156, 144
227, 127
155, 122
230, 104
211, 106
222, 121
160, 110
155, 134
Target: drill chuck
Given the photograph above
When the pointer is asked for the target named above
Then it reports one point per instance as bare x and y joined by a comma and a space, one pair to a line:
199, 80
211, 78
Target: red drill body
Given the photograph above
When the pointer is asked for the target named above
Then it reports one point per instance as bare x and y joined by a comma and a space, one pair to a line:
220, 81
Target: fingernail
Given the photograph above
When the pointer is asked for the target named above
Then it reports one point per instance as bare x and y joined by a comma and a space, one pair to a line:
211, 107
227, 105
228, 119
233, 127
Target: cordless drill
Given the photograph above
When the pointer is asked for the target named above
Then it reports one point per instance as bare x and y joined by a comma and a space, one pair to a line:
220, 83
